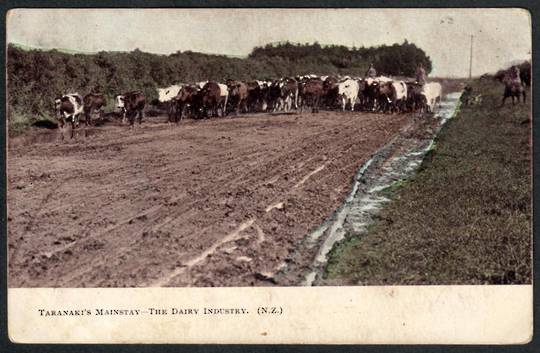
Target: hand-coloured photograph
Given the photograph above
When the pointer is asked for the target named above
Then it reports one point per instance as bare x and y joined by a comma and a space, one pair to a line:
268, 148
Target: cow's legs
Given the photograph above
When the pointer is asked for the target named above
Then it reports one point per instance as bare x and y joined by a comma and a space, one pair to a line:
140, 116
87, 121
131, 118
72, 127
61, 123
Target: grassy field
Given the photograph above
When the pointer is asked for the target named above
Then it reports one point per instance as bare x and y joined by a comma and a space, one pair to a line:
465, 218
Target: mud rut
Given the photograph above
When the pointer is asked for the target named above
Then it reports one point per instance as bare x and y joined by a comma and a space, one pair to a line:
222, 202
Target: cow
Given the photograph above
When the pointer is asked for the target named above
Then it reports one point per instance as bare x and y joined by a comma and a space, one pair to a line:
165, 95
330, 91
273, 95
94, 102
224, 96
399, 96
212, 97
431, 94
289, 93
254, 96
69, 107
362, 93
514, 89
385, 96
414, 96
183, 103
132, 105
238, 95
525, 75
371, 94
311, 93
348, 93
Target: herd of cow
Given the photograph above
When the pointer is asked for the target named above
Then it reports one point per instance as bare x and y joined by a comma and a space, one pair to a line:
382, 94
213, 99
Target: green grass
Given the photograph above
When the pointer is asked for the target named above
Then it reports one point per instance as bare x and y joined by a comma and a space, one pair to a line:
465, 218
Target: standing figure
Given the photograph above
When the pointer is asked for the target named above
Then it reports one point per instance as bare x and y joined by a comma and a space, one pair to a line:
421, 75
513, 74
371, 72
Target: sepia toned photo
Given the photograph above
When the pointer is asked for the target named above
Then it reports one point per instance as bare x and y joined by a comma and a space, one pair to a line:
268, 149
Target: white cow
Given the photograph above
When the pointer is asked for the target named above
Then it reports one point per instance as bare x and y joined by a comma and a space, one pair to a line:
224, 92
400, 94
168, 93
382, 79
348, 92
432, 92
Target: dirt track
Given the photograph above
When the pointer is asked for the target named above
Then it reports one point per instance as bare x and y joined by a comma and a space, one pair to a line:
220, 202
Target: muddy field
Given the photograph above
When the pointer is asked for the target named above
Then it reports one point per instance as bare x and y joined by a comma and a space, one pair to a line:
221, 202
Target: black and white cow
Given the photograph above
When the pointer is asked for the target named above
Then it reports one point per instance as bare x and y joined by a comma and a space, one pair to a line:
131, 105
69, 108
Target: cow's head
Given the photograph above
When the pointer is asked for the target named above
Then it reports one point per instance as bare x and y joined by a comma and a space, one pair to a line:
163, 94
57, 103
119, 102
343, 87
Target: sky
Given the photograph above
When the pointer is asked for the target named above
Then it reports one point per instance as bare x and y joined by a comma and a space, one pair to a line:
501, 36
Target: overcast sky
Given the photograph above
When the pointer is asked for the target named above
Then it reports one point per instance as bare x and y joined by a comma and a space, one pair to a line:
500, 35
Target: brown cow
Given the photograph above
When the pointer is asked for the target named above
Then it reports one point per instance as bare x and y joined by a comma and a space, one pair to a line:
132, 105
311, 93
94, 102
210, 99
386, 96
238, 95
330, 91
255, 96
183, 103
415, 99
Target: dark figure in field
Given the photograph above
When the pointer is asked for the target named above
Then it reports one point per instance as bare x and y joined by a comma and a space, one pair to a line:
94, 102
132, 105
513, 74
466, 96
525, 76
421, 76
371, 72
513, 86
513, 89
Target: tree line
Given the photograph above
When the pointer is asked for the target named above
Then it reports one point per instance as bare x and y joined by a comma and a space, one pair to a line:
36, 77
